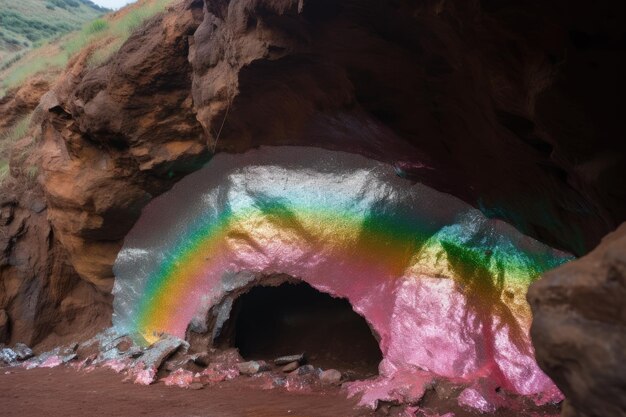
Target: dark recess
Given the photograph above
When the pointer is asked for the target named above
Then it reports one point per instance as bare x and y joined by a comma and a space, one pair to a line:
268, 322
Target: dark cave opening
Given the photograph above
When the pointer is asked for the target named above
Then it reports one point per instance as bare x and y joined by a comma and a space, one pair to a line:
271, 321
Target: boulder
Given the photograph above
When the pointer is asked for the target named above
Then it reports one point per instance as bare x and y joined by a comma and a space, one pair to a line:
22, 351
579, 329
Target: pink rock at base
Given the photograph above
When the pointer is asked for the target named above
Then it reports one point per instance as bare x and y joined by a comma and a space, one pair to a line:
403, 386
51, 362
470, 397
180, 378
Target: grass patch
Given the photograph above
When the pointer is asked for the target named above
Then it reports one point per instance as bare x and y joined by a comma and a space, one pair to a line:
15, 133
26, 24
4, 170
115, 28
20, 73
8, 139
96, 26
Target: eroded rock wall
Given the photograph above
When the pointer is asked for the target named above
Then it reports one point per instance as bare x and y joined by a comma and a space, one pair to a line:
118, 135
43, 298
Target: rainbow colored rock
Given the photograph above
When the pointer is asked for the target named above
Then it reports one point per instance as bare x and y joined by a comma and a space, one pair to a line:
441, 285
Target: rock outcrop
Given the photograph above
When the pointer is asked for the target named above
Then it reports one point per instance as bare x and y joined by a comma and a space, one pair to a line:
115, 137
44, 298
579, 329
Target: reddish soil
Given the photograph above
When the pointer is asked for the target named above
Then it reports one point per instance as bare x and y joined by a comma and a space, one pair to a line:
65, 392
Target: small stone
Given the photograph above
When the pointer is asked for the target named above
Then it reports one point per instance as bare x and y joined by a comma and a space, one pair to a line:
23, 352
284, 360
196, 385
306, 370
290, 367
8, 356
330, 376
252, 367
124, 345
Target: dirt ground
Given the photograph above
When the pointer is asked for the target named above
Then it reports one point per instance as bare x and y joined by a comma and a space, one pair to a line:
65, 392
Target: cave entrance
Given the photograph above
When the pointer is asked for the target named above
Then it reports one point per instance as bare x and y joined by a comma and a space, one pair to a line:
271, 321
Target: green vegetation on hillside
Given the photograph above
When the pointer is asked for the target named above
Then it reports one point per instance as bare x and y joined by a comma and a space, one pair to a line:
110, 32
104, 35
27, 23
7, 140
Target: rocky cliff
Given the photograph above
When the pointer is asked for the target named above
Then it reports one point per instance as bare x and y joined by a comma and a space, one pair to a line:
512, 106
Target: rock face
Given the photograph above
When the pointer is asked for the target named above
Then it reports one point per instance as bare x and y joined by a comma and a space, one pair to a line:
39, 288
116, 136
579, 329
4, 326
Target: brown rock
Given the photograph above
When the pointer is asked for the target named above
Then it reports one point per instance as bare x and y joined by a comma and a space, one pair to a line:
196, 385
578, 329
252, 367
47, 301
290, 367
4, 326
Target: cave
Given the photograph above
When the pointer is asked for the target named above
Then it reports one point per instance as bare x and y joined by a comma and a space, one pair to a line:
292, 318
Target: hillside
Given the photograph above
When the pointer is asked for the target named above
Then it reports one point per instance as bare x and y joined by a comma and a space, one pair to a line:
33, 72
27, 23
